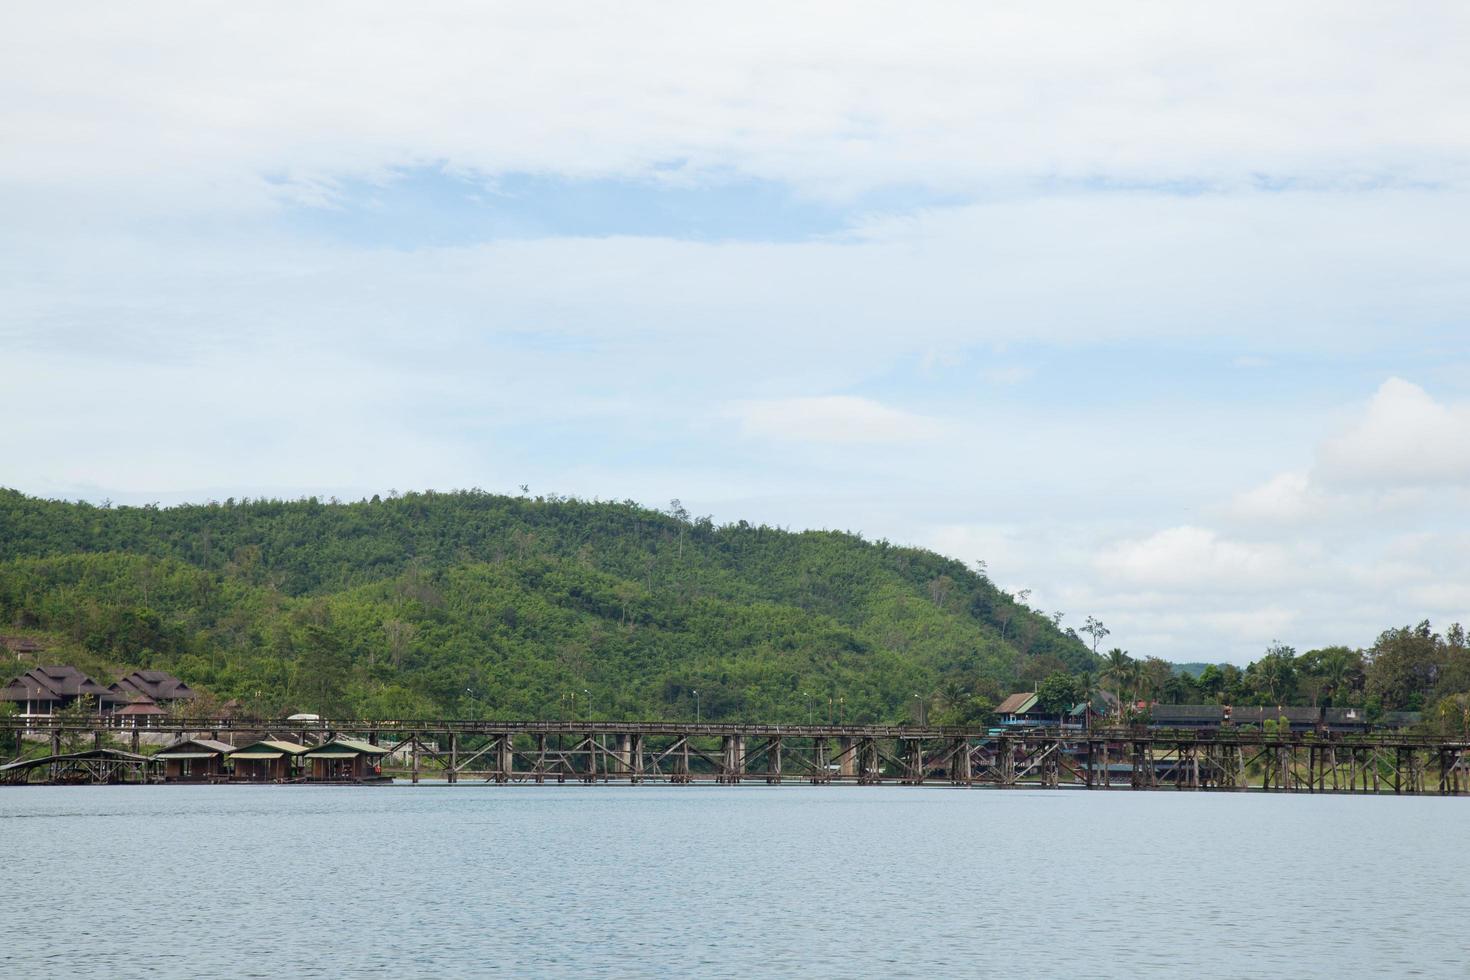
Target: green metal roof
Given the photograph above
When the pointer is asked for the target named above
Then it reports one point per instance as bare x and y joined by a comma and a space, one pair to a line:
269, 745
345, 748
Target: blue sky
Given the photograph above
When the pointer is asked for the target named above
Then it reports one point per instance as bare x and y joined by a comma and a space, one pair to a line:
1161, 313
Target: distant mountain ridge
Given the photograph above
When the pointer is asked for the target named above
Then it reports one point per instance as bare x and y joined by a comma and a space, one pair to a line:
480, 604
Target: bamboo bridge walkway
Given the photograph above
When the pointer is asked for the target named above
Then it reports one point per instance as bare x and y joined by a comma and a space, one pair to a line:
678, 753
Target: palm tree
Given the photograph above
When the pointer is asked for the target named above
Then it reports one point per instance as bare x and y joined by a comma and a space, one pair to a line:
1118, 668
1339, 671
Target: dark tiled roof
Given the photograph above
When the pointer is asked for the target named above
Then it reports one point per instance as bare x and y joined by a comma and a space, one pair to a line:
55, 684
1254, 715
1164, 714
156, 684
208, 744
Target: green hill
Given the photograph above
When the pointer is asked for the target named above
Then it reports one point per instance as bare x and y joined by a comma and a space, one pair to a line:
475, 604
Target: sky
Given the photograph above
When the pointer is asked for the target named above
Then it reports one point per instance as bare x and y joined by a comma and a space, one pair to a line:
1161, 310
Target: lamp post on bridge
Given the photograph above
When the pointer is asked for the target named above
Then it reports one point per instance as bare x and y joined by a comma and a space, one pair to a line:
589, 703
696, 707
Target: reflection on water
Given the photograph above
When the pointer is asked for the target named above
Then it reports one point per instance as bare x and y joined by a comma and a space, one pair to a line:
728, 881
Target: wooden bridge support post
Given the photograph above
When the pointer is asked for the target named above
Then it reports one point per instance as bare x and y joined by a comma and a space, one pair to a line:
821, 775
773, 760
847, 760
453, 774
414, 739
636, 748
540, 776
913, 762
1005, 761
869, 772
625, 756
1051, 775
504, 758
960, 770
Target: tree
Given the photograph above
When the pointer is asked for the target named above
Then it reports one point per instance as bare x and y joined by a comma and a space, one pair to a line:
1403, 667
1095, 629
1058, 694
1118, 668
1274, 676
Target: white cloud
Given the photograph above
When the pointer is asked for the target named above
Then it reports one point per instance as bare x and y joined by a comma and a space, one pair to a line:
196, 104
1196, 557
1404, 439
1286, 497
832, 419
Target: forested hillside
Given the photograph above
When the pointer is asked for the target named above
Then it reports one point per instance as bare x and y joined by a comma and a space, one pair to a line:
475, 604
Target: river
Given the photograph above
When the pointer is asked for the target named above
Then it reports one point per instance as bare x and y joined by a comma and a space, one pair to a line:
796, 881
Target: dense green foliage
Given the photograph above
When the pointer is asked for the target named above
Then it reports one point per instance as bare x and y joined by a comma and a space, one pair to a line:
1409, 668
474, 604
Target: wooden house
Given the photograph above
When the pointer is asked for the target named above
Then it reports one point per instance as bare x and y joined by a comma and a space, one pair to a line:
1192, 716
345, 760
1020, 709
156, 685
193, 760
268, 761
43, 691
1297, 719
141, 712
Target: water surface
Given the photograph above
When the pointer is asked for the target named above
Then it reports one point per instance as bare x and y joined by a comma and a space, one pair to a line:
607, 881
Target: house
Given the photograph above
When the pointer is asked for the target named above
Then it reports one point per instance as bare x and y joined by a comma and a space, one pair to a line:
1299, 719
156, 685
141, 712
268, 761
1195, 716
1345, 720
22, 646
1018, 709
193, 760
345, 759
43, 691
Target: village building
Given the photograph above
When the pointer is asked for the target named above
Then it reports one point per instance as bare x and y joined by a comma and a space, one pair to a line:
156, 685
43, 691
268, 761
346, 760
194, 760
23, 646
1019, 709
141, 712
1296, 719
1191, 716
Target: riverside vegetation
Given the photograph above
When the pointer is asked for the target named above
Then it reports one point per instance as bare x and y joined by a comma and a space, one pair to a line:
473, 604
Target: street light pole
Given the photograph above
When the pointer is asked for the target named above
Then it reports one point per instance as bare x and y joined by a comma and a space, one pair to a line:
589, 703
696, 707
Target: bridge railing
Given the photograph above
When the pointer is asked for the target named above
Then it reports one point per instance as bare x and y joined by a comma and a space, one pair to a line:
1106, 733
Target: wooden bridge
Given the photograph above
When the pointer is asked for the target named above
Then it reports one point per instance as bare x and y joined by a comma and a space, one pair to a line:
501, 752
